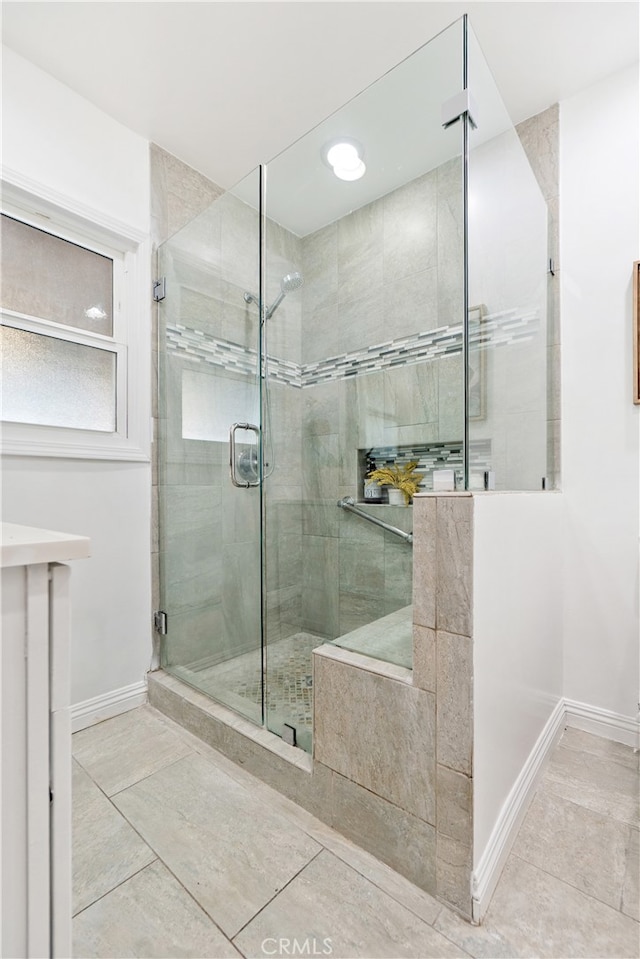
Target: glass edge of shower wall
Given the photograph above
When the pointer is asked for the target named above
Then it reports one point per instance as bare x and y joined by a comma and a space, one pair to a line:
507, 276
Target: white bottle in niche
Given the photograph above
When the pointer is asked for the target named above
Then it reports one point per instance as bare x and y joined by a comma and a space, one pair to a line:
444, 480
372, 492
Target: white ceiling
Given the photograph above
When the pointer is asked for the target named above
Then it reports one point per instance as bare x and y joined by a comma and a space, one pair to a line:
225, 86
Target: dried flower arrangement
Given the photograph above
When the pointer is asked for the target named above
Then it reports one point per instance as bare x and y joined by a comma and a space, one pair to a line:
399, 477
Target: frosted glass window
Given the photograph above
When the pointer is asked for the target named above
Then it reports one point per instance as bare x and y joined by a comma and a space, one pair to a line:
53, 279
211, 404
52, 382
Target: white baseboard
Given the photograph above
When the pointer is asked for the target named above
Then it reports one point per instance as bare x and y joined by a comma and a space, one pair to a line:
95, 710
485, 877
568, 712
602, 722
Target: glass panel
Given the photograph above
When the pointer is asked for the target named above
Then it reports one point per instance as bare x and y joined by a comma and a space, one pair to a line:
52, 382
51, 278
364, 367
507, 298
210, 542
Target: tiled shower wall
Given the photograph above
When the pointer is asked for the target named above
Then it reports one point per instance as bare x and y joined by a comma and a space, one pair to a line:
387, 271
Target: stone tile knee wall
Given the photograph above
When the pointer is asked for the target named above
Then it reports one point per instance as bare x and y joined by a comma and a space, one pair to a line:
443, 664
376, 730
407, 738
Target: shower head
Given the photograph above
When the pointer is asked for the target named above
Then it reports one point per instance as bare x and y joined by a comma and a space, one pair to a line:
288, 283
291, 282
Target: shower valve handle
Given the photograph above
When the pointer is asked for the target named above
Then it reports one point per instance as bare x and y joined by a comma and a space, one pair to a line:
241, 483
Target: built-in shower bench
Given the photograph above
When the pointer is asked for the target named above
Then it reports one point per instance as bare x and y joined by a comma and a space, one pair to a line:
389, 638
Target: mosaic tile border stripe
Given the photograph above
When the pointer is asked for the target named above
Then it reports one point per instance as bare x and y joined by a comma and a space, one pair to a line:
497, 329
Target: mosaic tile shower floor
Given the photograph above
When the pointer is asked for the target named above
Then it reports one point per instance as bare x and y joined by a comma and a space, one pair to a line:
289, 688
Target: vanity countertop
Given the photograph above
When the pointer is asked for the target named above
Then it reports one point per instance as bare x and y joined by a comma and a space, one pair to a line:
25, 545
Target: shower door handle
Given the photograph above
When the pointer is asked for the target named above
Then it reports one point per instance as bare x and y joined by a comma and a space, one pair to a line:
233, 463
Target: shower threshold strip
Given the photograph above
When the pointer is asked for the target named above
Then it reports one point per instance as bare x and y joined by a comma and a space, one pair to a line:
348, 503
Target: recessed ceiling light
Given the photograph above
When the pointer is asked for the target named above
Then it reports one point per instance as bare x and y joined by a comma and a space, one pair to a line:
344, 156
344, 173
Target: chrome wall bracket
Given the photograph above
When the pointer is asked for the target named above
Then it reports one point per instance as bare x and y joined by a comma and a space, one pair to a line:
458, 106
160, 289
160, 622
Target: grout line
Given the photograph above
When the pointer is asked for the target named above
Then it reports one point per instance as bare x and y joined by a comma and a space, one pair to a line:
279, 800
275, 896
546, 784
149, 775
117, 886
596, 755
565, 882
158, 856
191, 896
386, 892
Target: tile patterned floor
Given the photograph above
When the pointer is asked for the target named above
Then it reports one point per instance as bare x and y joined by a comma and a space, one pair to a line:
180, 853
237, 683
289, 688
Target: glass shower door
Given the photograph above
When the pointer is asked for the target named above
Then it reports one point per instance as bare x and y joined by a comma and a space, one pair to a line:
363, 338
209, 408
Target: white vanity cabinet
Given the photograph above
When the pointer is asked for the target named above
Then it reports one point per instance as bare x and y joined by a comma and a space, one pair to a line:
35, 837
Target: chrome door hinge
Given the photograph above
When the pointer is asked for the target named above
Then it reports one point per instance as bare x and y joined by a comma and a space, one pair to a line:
160, 289
160, 622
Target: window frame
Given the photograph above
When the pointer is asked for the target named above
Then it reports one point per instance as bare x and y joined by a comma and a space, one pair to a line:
128, 249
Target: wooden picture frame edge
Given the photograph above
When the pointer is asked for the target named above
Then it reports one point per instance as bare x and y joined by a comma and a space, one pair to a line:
636, 332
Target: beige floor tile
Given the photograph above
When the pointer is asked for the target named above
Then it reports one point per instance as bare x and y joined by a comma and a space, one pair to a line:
106, 850
594, 781
149, 917
582, 847
329, 905
545, 917
478, 941
599, 746
123, 750
383, 876
631, 887
418, 901
226, 847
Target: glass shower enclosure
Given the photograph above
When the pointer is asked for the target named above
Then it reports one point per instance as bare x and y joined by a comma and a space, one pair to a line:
318, 326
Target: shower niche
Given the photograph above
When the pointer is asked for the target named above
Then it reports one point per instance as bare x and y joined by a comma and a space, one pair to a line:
427, 456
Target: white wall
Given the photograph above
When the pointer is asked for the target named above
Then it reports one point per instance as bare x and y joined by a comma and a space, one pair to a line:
108, 502
57, 143
600, 448
58, 139
517, 640
556, 601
